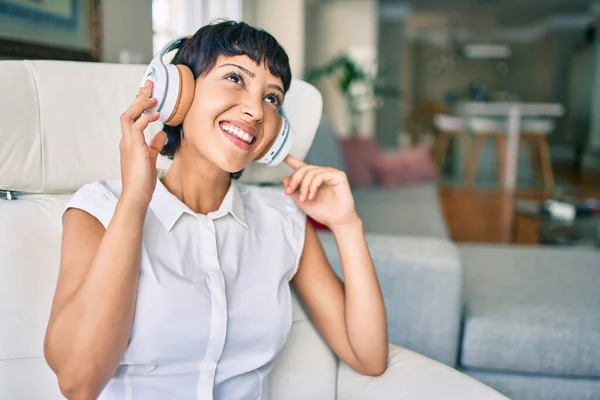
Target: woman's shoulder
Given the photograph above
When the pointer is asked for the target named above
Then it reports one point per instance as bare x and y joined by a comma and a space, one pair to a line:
267, 198
265, 201
109, 189
98, 198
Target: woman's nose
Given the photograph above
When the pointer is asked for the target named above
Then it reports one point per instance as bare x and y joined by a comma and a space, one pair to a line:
253, 108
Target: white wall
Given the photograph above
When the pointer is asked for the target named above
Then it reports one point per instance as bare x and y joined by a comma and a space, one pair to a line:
285, 21
344, 26
126, 25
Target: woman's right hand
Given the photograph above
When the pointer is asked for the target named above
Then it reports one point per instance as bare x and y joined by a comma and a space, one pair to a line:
138, 158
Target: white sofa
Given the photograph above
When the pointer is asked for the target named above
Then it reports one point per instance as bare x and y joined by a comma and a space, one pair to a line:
59, 129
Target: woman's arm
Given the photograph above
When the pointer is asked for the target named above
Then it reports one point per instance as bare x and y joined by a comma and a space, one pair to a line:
350, 316
94, 300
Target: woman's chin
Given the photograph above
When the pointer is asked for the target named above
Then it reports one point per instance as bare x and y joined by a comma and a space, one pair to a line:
233, 167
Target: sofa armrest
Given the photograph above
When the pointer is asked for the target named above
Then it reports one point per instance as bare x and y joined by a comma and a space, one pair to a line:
411, 376
421, 281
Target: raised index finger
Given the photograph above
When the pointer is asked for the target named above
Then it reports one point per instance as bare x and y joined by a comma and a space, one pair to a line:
293, 162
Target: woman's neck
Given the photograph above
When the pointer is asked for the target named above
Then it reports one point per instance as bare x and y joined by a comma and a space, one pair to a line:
197, 182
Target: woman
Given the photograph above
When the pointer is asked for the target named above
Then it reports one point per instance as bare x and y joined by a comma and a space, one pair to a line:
178, 286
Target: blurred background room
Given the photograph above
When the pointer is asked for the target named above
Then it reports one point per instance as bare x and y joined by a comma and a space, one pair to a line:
471, 123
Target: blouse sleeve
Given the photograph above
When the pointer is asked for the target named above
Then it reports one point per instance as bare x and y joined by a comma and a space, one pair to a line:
96, 199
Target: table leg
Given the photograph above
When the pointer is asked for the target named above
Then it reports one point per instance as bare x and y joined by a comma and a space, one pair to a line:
512, 149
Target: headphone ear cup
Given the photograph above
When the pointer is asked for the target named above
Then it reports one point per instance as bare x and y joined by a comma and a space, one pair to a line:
185, 95
281, 145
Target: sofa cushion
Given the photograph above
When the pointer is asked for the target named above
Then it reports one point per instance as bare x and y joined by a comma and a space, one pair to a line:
421, 282
409, 376
412, 210
532, 309
29, 254
409, 165
360, 155
534, 387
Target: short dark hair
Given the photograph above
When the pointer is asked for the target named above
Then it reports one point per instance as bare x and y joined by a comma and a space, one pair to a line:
227, 38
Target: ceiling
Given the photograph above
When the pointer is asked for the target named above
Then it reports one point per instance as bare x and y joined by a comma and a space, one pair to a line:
495, 13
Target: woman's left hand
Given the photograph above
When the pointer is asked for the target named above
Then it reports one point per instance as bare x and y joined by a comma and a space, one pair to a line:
323, 193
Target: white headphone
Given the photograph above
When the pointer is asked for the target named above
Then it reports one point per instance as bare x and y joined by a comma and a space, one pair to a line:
174, 87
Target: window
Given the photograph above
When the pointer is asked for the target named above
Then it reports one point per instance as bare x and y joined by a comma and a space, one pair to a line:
175, 18
167, 22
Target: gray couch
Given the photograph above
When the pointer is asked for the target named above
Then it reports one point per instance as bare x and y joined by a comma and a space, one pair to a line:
523, 319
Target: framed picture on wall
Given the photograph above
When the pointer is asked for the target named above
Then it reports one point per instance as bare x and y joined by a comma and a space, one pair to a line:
50, 29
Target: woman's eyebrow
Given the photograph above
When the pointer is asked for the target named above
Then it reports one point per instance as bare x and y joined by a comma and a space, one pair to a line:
251, 75
276, 87
246, 71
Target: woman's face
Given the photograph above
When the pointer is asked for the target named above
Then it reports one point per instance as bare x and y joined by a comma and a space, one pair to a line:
234, 116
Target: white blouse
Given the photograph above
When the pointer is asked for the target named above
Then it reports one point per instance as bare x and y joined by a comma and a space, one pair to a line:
214, 305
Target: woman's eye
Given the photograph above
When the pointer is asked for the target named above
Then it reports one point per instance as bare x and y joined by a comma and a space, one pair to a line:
234, 78
273, 99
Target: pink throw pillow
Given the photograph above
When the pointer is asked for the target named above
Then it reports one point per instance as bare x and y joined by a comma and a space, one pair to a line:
360, 155
413, 164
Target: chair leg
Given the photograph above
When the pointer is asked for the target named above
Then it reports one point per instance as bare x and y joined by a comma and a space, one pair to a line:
465, 144
501, 157
441, 148
544, 149
473, 159
533, 159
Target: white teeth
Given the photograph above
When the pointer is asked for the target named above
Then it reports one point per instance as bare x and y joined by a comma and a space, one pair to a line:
245, 136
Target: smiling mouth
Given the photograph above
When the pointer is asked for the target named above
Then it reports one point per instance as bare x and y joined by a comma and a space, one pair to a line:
239, 133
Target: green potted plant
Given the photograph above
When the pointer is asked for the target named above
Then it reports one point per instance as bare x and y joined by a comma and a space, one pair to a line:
361, 89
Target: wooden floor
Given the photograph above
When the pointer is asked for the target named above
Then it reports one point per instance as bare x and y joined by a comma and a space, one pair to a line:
486, 215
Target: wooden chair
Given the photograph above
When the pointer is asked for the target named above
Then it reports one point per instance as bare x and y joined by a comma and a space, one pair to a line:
534, 132
449, 127
482, 130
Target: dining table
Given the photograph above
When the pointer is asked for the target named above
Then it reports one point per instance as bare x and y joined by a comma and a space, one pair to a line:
513, 113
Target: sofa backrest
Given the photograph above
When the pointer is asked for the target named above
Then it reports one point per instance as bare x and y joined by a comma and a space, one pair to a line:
59, 130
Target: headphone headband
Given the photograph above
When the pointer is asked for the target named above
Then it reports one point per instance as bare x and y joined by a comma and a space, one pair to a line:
174, 87
173, 44
170, 46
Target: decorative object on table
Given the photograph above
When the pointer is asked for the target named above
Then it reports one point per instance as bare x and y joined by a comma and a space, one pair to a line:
563, 220
51, 29
361, 89
581, 232
564, 208
478, 91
